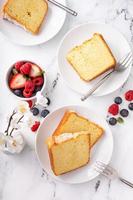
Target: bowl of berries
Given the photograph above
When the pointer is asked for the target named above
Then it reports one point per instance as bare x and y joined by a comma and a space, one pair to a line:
24, 79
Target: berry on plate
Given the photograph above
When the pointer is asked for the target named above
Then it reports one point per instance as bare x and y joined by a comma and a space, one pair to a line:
35, 71
118, 100
18, 65
35, 111
38, 81
129, 95
30, 103
112, 121
29, 86
44, 113
17, 81
124, 112
130, 106
27, 93
113, 109
25, 69
35, 126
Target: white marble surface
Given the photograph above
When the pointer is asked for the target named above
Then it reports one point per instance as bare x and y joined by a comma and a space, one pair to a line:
21, 177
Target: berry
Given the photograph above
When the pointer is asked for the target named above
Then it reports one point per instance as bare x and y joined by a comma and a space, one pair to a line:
129, 95
37, 89
112, 121
124, 112
44, 113
35, 71
18, 93
18, 65
130, 106
17, 81
14, 71
29, 86
118, 100
35, 111
48, 103
25, 69
27, 93
38, 81
113, 109
35, 126
30, 103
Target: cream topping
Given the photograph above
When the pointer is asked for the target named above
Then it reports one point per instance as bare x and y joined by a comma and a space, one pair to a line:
67, 136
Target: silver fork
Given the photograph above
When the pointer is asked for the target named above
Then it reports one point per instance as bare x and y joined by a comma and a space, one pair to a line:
123, 64
110, 173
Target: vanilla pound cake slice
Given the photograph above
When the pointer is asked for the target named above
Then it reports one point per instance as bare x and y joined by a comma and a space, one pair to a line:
92, 58
28, 14
69, 151
72, 122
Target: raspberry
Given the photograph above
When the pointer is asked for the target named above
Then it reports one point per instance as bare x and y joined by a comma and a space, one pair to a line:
113, 109
35, 126
29, 86
18, 65
38, 81
25, 69
30, 103
27, 93
129, 95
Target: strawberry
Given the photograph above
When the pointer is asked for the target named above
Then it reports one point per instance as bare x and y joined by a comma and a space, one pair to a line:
129, 95
18, 65
29, 86
35, 126
17, 81
25, 69
38, 81
113, 109
27, 93
30, 103
35, 71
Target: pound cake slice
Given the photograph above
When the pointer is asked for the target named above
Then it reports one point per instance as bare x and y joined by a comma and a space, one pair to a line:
69, 151
72, 122
28, 14
92, 58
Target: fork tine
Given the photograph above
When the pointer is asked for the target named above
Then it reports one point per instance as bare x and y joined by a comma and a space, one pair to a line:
103, 167
128, 62
125, 58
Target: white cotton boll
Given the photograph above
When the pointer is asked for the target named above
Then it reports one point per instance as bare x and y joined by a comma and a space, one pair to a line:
23, 107
41, 100
29, 119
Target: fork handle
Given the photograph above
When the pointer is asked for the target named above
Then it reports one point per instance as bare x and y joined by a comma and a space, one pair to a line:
96, 86
126, 182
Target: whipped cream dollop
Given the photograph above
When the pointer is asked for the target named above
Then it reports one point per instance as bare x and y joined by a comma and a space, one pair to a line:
67, 136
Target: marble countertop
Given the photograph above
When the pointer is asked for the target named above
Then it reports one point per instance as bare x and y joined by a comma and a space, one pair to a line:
21, 176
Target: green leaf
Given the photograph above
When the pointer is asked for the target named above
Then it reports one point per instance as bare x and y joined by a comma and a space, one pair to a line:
120, 120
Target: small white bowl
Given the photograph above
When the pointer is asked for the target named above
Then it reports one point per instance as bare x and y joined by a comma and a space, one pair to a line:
23, 98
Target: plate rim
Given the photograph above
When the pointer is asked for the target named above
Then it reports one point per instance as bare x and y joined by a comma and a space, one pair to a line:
35, 43
85, 24
52, 175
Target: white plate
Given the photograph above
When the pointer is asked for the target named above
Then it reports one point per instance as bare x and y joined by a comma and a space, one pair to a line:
116, 41
52, 24
102, 151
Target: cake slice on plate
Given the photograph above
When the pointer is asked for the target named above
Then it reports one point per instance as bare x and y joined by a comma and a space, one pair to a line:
92, 58
69, 151
28, 14
73, 122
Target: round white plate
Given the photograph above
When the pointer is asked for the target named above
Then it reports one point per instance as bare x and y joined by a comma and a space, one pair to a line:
52, 24
101, 151
118, 45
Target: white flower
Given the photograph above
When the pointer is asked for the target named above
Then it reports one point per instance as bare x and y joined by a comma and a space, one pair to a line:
41, 100
23, 107
29, 119
15, 144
